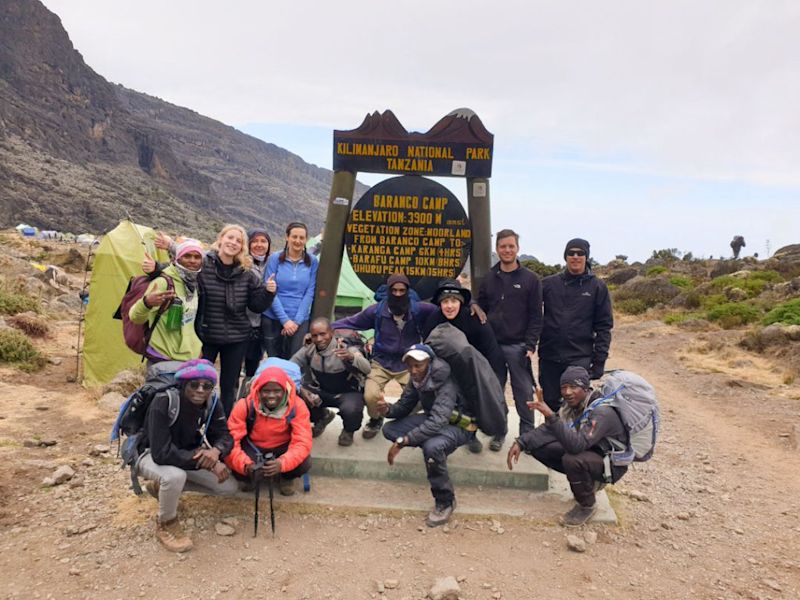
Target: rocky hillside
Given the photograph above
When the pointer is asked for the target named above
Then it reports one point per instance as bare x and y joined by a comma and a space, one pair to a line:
77, 152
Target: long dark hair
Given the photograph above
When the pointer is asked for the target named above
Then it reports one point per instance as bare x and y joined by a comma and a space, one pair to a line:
289, 227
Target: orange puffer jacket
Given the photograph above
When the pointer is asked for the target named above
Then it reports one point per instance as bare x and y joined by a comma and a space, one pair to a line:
293, 428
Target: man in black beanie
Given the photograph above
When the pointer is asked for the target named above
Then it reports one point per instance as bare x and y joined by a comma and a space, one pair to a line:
575, 441
577, 324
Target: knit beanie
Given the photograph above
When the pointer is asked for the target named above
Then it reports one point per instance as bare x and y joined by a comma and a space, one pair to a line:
577, 243
186, 246
397, 278
197, 368
575, 376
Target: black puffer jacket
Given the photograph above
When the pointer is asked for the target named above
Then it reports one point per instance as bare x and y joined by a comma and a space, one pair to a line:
225, 295
577, 320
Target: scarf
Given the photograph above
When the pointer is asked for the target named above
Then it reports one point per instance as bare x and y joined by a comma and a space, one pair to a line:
189, 279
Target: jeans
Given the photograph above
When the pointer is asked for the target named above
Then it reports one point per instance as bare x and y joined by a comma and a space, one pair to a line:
435, 451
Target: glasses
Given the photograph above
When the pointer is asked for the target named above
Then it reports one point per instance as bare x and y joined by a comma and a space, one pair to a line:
576, 253
206, 386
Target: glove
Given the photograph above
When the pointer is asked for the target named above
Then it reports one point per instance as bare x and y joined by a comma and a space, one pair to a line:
596, 370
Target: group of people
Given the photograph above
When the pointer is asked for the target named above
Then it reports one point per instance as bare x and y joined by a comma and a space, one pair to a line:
240, 301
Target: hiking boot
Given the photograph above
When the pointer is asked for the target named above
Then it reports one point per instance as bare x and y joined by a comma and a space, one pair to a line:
346, 438
440, 514
320, 425
372, 428
172, 536
286, 486
599, 485
497, 444
578, 515
475, 446
152, 486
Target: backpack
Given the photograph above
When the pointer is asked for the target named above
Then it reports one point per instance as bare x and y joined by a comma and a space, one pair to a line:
381, 296
132, 414
634, 400
137, 337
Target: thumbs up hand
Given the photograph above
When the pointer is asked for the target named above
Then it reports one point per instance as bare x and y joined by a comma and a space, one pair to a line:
148, 264
272, 287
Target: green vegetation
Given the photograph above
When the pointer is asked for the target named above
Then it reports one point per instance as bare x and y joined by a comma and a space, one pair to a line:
32, 325
680, 281
17, 349
540, 268
666, 254
753, 284
14, 299
631, 306
787, 313
732, 314
657, 270
675, 318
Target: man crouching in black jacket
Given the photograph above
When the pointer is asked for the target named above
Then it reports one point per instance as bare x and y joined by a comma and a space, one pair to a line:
575, 441
185, 451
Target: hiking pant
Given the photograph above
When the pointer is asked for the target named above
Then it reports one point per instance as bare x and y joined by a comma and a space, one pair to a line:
350, 405
376, 382
283, 346
277, 452
256, 347
435, 451
230, 367
522, 384
172, 481
582, 469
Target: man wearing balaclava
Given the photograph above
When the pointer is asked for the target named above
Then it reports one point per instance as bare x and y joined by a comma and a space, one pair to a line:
577, 324
397, 321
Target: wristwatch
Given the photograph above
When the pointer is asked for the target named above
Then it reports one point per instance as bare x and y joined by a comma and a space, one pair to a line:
400, 441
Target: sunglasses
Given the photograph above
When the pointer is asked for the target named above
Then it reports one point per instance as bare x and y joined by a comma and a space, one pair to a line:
576, 253
206, 386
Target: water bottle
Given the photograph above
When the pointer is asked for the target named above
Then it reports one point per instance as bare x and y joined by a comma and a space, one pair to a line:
459, 419
174, 317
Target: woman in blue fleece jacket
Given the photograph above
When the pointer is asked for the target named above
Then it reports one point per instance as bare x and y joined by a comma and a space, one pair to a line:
295, 272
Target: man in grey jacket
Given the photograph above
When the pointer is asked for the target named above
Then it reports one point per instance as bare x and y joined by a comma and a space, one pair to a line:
575, 441
432, 386
333, 376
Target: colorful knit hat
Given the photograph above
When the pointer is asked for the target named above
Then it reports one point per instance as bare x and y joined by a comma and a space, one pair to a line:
198, 368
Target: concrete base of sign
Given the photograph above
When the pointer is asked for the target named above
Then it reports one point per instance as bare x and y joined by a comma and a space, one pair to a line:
358, 478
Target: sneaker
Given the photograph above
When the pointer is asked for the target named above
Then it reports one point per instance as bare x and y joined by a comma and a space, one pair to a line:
172, 536
286, 486
497, 444
152, 486
578, 515
475, 446
320, 425
372, 428
440, 514
346, 438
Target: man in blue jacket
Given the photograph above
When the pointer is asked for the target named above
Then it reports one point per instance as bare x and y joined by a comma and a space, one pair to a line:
399, 322
511, 295
577, 322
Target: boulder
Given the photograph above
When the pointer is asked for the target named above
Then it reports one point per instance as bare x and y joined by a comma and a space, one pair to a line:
111, 401
651, 290
620, 276
125, 383
725, 267
735, 294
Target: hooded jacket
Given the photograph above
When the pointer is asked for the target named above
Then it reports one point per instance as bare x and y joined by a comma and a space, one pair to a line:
577, 320
225, 295
292, 427
438, 396
513, 303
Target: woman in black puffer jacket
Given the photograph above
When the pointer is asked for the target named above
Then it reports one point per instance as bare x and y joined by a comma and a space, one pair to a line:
227, 289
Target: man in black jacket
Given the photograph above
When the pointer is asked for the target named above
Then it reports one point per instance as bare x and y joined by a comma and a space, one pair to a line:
432, 386
577, 322
185, 451
511, 295
575, 441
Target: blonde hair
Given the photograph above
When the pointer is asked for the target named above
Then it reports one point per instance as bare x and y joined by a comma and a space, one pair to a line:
242, 257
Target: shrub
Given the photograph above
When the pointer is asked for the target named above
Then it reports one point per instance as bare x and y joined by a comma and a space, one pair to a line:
540, 268
680, 281
713, 300
666, 254
753, 284
14, 299
631, 306
787, 313
30, 324
657, 270
679, 317
16, 348
732, 314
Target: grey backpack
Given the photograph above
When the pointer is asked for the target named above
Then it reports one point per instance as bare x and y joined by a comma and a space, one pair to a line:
635, 401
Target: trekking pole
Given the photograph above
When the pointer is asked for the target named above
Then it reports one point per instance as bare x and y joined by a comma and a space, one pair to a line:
271, 498
257, 484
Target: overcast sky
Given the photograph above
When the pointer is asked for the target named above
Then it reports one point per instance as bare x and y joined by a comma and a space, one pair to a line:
637, 125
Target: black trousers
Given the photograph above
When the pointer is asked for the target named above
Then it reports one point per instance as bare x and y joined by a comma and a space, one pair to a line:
282, 346
256, 347
350, 405
582, 469
300, 470
230, 366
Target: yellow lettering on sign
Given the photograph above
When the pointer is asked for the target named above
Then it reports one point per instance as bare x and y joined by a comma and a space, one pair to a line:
478, 153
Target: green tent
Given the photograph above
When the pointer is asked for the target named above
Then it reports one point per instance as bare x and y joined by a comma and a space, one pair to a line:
351, 292
118, 258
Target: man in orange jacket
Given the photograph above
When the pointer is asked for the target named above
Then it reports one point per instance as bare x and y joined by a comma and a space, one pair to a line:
271, 425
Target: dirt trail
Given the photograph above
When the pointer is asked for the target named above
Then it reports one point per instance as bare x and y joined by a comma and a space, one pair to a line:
718, 515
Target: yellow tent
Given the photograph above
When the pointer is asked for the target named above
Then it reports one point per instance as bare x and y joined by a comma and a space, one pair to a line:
118, 258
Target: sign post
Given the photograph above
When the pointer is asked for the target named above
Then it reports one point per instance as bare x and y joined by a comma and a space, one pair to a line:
407, 224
